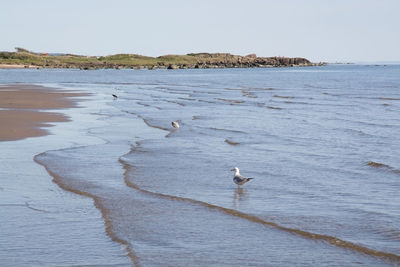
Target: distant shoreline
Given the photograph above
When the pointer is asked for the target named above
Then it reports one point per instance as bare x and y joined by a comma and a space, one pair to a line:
27, 59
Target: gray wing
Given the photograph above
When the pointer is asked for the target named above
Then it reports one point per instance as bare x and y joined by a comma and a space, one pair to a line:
239, 179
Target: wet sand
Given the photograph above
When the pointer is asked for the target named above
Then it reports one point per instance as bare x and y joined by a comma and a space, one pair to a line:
42, 224
23, 110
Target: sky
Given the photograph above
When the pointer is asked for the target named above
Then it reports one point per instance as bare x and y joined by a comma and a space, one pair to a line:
320, 30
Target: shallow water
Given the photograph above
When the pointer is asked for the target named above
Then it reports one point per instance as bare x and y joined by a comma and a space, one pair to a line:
321, 144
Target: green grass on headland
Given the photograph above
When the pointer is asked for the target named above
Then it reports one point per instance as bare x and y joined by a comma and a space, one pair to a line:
194, 60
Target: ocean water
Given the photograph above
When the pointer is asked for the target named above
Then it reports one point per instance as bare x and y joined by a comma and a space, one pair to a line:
322, 144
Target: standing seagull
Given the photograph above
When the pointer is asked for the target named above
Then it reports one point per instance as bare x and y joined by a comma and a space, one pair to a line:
175, 124
238, 179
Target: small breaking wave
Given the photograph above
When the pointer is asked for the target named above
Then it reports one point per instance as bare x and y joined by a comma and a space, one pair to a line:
175, 102
383, 166
313, 236
389, 98
231, 101
109, 229
205, 101
283, 96
296, 102
271, 107
226, 130
147, 121
249, 94
187, 98
29, 206
258, 88
378, 165
147, 105
231, 142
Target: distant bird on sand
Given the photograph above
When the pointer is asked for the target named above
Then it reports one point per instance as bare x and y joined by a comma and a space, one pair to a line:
115, 96
175, 124
239, 179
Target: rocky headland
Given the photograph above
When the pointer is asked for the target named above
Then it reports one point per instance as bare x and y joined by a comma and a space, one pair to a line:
23, 58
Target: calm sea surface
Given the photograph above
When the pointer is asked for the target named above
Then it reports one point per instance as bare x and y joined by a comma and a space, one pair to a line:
322, 144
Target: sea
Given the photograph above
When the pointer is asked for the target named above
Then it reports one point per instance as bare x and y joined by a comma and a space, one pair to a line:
322, 145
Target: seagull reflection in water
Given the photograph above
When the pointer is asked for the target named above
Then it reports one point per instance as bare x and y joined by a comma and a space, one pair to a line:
240, 194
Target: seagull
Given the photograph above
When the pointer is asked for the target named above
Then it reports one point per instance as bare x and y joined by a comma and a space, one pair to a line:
175, 124
239, 179
115, 96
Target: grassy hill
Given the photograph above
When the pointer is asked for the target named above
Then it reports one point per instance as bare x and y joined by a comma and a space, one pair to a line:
27, 58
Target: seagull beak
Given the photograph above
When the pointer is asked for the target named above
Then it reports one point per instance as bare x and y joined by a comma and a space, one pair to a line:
232, 169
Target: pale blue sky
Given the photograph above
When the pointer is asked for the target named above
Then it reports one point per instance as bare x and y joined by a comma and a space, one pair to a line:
320, 30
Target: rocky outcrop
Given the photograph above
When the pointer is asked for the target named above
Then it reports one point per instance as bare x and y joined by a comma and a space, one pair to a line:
133, 61
172, 67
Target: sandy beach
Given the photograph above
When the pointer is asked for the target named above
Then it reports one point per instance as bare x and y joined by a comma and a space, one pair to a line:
17, 66
24, 110
42, 224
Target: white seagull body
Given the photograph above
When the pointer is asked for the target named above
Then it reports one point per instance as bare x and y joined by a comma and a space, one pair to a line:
175, 124
239, 179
